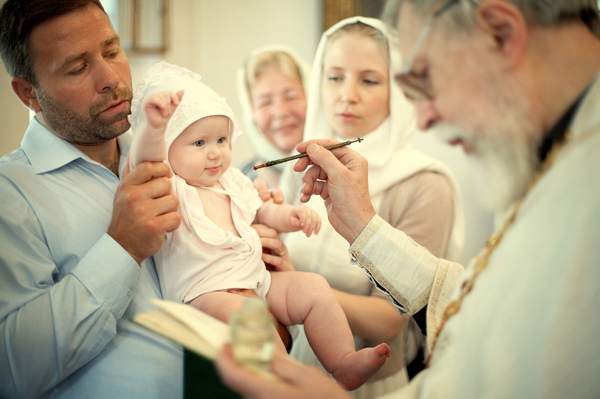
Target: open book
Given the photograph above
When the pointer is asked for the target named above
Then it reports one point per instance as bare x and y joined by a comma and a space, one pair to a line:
202, 337
189, 327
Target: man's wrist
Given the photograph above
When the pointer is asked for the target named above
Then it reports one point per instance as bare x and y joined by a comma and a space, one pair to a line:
134, 256
360, 223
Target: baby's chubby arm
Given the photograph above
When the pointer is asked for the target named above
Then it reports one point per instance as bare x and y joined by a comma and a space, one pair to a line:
158, 109
285, 218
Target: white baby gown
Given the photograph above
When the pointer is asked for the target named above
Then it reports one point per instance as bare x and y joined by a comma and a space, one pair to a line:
201, 257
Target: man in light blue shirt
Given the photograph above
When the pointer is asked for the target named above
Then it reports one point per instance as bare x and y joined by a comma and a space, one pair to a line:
75, 241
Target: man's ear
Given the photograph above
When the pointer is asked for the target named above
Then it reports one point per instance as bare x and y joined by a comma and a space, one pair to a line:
506, 26
26, 93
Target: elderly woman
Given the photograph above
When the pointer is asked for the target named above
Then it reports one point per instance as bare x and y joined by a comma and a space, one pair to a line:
273, 99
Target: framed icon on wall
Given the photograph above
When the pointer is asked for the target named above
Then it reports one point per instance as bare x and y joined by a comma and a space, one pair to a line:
336, 10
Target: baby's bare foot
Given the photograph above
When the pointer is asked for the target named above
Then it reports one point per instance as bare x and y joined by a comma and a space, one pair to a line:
358, 367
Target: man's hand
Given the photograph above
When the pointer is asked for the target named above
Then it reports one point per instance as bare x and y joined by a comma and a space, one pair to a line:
340, 177
159, 107
275, 254
294, 380
144, 209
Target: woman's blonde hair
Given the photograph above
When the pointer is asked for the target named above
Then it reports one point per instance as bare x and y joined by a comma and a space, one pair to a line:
362, 29
278, 59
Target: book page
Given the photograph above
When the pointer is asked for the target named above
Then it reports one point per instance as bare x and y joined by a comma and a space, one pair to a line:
187, 326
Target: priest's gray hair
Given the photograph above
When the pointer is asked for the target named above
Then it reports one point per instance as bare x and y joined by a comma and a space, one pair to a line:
542, 12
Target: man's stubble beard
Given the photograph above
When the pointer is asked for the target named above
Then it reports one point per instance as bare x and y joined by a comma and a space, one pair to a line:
87, 129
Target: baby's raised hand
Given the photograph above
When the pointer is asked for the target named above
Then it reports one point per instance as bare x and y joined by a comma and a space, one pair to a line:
159, 107
305, 219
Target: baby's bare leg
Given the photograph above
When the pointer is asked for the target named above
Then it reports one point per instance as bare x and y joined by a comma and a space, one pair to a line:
222, 304
218, 304
306, 298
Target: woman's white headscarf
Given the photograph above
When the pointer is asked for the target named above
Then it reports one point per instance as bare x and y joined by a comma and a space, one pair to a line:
388, 149
263, 148
391, 160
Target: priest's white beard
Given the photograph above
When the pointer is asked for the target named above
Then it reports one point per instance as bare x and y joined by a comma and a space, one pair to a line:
504, 161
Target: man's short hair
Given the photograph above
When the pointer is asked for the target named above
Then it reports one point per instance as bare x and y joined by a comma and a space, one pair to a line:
18, 18
543, 12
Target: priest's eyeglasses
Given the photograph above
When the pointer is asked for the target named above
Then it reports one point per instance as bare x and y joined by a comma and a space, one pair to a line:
416, 84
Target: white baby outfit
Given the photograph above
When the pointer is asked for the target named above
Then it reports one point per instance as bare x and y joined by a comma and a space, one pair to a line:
200, 257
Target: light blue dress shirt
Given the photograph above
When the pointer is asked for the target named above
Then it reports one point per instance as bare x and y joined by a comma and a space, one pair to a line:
68, 291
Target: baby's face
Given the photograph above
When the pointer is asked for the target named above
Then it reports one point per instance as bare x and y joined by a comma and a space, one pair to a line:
202, 152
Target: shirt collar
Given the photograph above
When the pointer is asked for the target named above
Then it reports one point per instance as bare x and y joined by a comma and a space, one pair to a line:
47, 152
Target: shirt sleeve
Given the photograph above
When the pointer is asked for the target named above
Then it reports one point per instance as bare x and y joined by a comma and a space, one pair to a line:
422, 206
398, 265
52, 325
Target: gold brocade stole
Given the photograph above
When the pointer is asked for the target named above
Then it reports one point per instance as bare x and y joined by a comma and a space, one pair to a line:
483, 258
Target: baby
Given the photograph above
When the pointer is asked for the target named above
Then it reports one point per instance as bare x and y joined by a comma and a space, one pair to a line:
214, 258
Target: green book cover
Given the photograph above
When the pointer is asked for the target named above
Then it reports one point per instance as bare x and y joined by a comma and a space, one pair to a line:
201, 380
202, 337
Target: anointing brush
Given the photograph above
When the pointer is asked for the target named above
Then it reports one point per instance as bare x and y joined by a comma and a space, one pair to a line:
303, 154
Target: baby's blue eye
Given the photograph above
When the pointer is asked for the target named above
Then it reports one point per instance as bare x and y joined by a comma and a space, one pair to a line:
199, 143
222, 140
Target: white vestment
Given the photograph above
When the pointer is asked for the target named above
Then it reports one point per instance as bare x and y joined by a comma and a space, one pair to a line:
527, 330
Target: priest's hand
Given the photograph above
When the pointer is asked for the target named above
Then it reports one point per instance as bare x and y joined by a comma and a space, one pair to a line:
294, 380
340, 177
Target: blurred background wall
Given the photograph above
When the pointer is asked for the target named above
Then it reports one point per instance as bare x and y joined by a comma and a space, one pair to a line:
213, 37
13, 115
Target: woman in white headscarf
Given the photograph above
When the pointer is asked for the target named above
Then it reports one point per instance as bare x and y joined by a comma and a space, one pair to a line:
271, 86
353, 95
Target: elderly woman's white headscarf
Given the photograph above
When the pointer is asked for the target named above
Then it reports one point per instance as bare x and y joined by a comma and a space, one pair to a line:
264, 150
388, 148
199, 101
